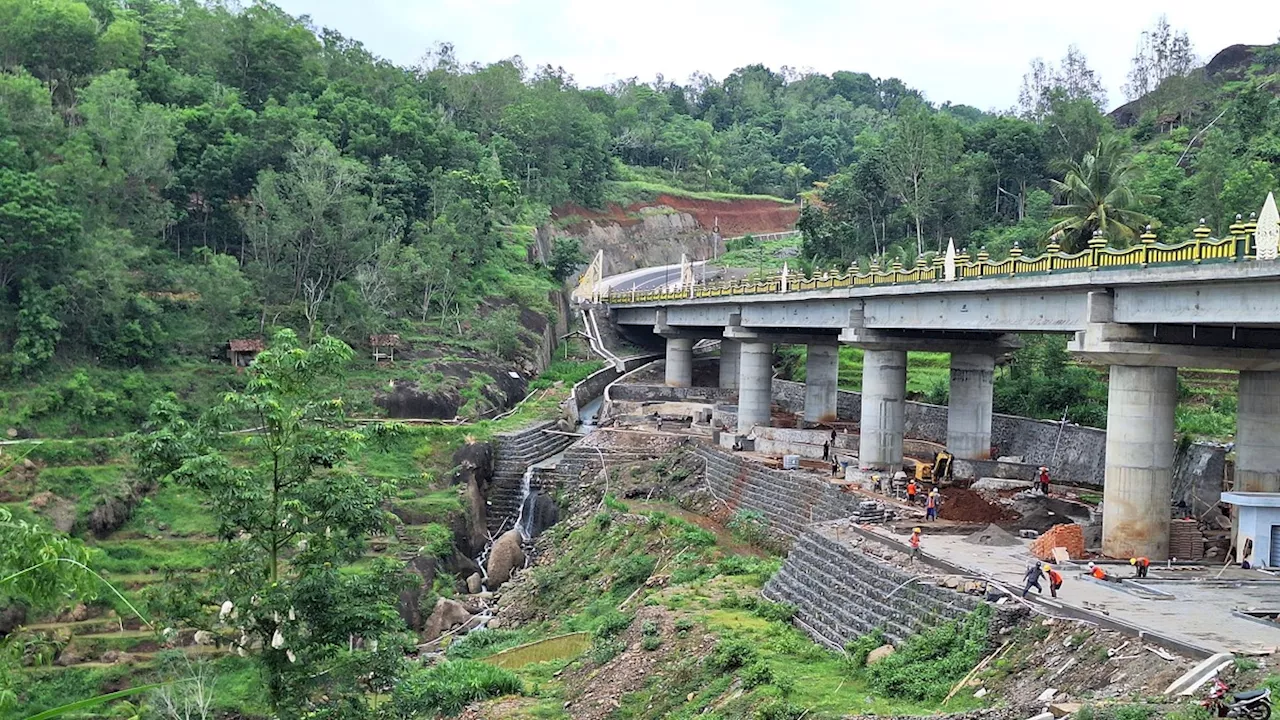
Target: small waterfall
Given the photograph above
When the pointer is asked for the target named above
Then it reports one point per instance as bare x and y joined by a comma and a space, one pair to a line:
524, 521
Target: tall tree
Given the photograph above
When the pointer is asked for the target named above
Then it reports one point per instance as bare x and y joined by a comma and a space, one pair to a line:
1071, 80
292, 514
1162, 54
1097, 193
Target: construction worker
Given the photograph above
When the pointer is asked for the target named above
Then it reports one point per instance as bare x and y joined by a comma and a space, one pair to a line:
1140, 564
931, 505
911, 492
914, 542
826, 451
1043, 479
1055, 579
1032, 579
1098, 573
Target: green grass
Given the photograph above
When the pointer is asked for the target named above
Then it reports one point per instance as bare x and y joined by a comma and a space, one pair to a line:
630, 192
925, 370
767, 256
141, 556
179, 510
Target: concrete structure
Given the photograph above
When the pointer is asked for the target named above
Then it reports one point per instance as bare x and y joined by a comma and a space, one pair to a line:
730, 363
821, 370
755, 385
1222, 312
1258, 433
884, 394
969, 415
679, 362
1259, 523
1140, 450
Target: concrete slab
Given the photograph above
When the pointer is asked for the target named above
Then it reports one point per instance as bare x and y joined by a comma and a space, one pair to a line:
1199, 613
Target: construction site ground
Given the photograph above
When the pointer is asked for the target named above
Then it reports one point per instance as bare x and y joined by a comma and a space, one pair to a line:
1200, 610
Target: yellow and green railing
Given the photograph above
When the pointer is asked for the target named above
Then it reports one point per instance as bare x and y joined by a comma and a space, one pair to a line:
1237, 247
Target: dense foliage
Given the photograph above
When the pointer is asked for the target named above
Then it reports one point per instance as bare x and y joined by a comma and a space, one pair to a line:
1188, 146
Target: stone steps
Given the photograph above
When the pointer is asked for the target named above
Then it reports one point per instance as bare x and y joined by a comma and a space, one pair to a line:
514, 452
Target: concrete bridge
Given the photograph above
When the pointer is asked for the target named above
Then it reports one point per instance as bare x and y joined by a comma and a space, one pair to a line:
1144, 311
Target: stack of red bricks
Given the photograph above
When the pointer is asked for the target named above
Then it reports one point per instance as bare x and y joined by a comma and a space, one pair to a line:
1186, 542
1067, 536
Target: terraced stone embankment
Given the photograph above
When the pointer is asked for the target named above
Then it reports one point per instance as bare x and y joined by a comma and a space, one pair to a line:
843, 593
790, 500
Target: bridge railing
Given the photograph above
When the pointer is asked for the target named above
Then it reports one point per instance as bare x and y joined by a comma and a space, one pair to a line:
1237, 247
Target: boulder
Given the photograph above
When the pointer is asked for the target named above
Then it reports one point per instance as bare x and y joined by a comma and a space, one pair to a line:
505, 557
12, 617
424, 568
879, 654
447, 614
475, 583
545, 513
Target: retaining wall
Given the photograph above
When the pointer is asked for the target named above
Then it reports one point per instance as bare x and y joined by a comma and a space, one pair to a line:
1080, 456
843, 593
513, 453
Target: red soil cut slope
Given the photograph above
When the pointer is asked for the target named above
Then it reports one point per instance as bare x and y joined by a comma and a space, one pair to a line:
736, 217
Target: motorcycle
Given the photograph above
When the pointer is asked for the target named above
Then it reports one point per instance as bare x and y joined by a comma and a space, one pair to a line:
1254, 704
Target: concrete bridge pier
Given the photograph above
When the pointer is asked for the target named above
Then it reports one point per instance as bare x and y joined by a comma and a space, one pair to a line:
755, 385
730, 363
821, 370
1258, 432
679, 362
969, 410
1139, 469
884, 394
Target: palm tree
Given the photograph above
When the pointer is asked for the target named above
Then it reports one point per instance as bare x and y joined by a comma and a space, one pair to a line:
1097, 193
707, 163
796, 173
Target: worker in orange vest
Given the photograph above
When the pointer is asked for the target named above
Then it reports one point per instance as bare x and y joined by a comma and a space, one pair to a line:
915, 543
931, 505
1055, 579
1097, 572
911, 492
1141, 564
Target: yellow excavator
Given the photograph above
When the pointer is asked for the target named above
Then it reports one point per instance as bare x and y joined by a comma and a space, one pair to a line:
939, 471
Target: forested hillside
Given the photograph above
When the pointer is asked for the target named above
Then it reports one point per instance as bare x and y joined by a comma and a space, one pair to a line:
175, 174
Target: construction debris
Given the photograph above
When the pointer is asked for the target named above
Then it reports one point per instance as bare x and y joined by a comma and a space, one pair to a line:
1059, 536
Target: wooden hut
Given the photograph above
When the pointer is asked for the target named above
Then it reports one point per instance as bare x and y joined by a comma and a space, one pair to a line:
384, 347
243, 351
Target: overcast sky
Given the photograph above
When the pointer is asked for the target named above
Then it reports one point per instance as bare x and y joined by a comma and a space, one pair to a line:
972, 52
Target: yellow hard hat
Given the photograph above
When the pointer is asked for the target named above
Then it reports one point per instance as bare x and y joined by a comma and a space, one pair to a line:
1046, 567
1133, 561
915, 530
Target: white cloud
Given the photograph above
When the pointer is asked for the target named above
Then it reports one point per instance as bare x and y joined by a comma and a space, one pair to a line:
971, 52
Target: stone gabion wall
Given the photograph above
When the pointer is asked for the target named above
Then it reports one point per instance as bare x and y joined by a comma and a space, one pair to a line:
789, 499
842, 593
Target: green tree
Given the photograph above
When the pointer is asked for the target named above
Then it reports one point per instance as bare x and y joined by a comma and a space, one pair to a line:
1097, 193
292, 516
36, 230
54, 39
566, 257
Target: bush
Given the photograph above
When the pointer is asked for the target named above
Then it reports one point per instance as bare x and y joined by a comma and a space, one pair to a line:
482, 643
604, 649
749, 526
447, 688
730, 654
782, 612
859, 649
756, 674
651, 642
611, 624
780, 710
926, 666
634, 570
437, 540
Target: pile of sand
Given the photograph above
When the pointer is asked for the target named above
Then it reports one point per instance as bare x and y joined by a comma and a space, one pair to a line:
993, 536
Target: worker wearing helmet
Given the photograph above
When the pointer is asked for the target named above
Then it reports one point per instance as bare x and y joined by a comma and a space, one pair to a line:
915, 543
1098, 573
1055, 579
1140, 564
1032, 579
